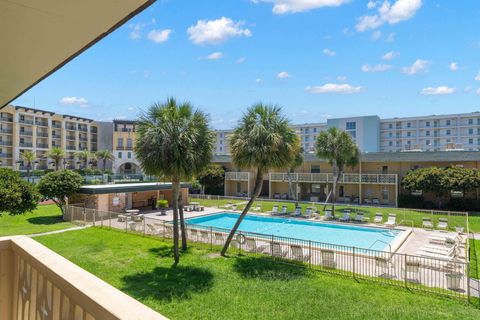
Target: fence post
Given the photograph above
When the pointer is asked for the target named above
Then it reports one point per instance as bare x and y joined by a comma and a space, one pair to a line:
101, 219
310, 253
405, 268
468, 280
110, 219
271, 246
94, 214
126, 224
84, 216
144, 226
354, 277
163, 229
211, 238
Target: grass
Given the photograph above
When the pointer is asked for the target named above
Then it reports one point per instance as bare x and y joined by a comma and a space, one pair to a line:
475, 258
207, 286
406, 215
44, 218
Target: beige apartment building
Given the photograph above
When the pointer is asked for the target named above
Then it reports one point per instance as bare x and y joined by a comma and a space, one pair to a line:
123, 143
23, 128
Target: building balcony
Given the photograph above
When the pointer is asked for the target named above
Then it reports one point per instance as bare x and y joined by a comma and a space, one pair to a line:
42, 123
57, 125
71, 138
26, 133
237, 176
70, 148
39, 283
8, 131
42, 134
6, 143
346, 178
42, 145
6, 119
83, 139
56, 136
70, 127
123, 148
25, 144
25, 121
83, 129
5, 155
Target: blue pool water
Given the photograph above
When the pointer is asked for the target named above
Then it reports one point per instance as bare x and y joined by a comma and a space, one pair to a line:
347, 235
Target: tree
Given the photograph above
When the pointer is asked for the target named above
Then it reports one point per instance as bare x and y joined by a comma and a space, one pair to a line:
17, 195
59, 185
297, 162
28, 157
56, 154
174, 141
430, 179
104, 156
83, 156
262, 141
212, 179
338, 147
462, 179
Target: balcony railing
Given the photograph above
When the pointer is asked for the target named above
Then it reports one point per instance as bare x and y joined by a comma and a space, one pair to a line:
5, 155
83, 139
38, 283
6, 143
42, 134
57, 125
71, 148
42, 145
42, 123
25, 121
56, 136
6, 119
2, 130
237, 176
25, 144
347, 178
82, 129
123, 148
71, 138
69, 127
26, 133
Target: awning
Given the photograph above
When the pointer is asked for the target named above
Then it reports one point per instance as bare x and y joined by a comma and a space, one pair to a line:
39, 37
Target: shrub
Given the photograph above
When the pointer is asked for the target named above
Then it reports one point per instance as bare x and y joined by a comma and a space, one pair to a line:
162, 203
59, 185
17, 196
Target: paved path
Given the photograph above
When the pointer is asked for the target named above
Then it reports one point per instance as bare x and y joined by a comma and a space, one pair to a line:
56, 231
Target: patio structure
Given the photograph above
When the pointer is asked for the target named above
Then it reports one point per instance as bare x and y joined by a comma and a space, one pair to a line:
121, 197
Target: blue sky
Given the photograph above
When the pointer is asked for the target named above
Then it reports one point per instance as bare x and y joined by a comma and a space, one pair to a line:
316, 58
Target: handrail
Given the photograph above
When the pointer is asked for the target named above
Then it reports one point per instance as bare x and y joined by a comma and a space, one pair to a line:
378, 240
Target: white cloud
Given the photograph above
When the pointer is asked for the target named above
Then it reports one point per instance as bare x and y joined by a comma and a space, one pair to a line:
376, 35
216, 31
283, 75
342, 78
376, 68
419, 66
454, 66
130, 108
437, 91
371, 5
400, 10
258, 80
240, 60
136, 32
334, 88
477, 77
215, 56
478, 91
390, 55
159, 36
329, 52
70, 101
390, 37
295, 6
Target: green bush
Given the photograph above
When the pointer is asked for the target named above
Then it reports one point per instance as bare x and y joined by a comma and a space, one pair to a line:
16, 195
162, 204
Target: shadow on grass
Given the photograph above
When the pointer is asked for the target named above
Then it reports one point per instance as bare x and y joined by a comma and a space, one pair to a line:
165, 284
267, 268
45, 220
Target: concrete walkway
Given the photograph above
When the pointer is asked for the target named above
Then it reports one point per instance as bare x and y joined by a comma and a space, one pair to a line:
56, 231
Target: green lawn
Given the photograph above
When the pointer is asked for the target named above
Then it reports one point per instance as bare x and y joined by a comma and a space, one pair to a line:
475, 258
207, 286
405, 216
44, 218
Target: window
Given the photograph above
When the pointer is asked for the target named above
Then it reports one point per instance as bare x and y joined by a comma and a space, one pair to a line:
409, 142
120, 155
384, 169
470, 131
470, 141
129, 143
427, 123
448, 122
390, 135
307, 130
129, 155
385, 193
351, 126
353, 134
409, 125
341, 191
314, 130
427, 133
221, 148
307, 137
316, 188
239, 187
449, 132
390, 126
315, 168
427, 142
470, 121
409, 134
120, 142
390, 143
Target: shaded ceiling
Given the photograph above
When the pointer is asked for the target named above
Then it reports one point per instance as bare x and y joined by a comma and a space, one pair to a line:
37, 37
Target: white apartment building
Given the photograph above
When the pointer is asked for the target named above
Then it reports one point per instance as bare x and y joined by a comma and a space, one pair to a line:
372, 134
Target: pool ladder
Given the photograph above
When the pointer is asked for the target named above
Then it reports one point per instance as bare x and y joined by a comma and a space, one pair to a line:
388, 244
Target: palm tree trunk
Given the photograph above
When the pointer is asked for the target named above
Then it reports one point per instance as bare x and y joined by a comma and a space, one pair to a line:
182, 222
104, 165
256, 192
175, 191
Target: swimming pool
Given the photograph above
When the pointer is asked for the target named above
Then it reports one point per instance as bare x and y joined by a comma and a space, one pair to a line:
341, 234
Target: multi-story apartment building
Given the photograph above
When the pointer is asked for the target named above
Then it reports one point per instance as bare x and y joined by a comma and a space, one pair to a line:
123, 142
23, 128
372, 134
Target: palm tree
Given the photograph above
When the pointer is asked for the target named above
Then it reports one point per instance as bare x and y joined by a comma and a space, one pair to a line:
175, 142
262, 141
29, 157
338, 147
84, 155
104, 155
297, 162
56, 154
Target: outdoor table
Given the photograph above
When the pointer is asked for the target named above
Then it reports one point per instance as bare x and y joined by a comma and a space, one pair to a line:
194, 205
132, 211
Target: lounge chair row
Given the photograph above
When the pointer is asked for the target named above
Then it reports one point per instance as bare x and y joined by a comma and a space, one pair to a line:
428, 224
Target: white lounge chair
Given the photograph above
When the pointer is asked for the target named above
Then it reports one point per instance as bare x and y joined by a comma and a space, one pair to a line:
391, 222
276, 250
385, 267
284, 210
427, 223
442, 224
121, 218
328, 258
274, 211
204, 236
257, 207
308, 212
378, 217
219, 238
297, 213
298, 254
412, 270
251, 245
375, 201
194, 234
132, 225
346, 216
328, 214
360, 217
444, 239
152, 230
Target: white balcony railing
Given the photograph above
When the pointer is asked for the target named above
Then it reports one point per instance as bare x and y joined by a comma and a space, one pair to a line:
237, 176
37, 283
348, 178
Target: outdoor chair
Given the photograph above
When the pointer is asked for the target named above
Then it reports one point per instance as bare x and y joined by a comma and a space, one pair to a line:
391, 222
251, 245
297, 212
346, 216
274, 211
427, 223
378, 217
308, 212
152, 230
375, 201
328, 214
257, 207
284, 210
367, 201
412, 271
234, 207
121, 218
359, 217
219, 238
276, 250
204, 236
298, 254
385, 267
137, 218
328, 258
442, 224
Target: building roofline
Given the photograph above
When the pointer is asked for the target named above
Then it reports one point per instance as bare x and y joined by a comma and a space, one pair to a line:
127, 187
51, 113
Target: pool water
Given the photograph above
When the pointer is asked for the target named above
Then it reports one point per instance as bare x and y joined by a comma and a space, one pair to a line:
341, 234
